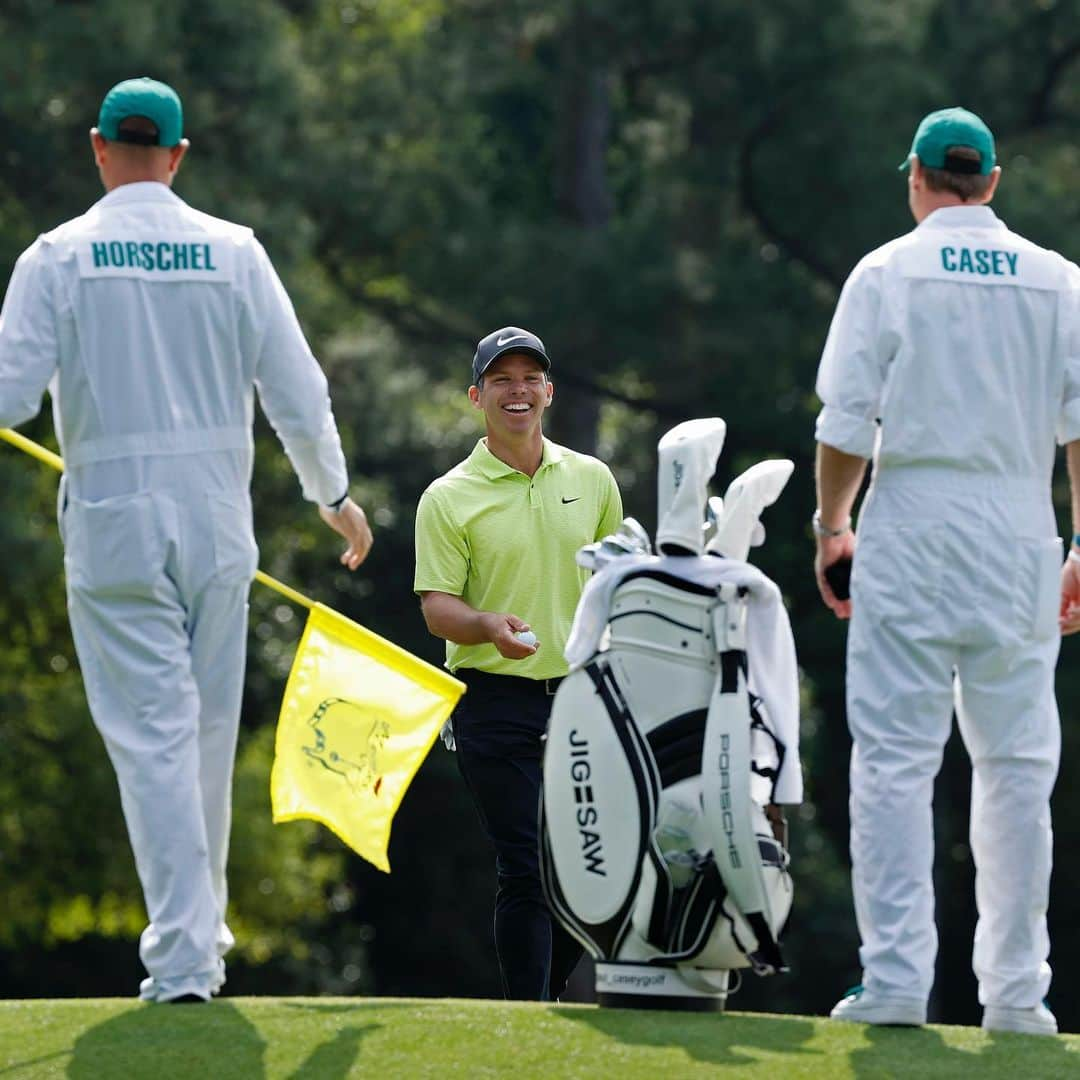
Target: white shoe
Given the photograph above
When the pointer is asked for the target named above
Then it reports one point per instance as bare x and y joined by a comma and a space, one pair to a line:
865, 1007
1038, 1020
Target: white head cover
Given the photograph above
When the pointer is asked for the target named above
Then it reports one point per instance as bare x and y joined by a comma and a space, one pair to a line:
736, 517
688, 454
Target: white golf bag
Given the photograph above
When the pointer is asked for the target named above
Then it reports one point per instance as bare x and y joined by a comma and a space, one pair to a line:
657, 850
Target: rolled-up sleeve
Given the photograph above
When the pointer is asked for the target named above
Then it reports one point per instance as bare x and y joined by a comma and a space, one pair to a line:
29, 350
1068, 425
852, 371
292, 387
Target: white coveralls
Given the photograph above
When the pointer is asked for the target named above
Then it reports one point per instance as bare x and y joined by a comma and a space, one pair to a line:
962, 339
152, 324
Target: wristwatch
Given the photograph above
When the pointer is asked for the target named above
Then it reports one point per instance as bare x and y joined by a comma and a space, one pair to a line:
820, 529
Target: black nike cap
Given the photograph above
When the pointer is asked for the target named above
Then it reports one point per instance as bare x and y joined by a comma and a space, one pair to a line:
510, 339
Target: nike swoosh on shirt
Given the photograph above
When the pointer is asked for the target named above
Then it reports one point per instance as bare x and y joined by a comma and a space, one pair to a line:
513, 337
575, 499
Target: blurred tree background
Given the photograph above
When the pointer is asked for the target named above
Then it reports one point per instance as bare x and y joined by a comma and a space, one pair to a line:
671, 195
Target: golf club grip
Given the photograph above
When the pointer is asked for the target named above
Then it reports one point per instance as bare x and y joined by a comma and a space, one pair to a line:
838, 575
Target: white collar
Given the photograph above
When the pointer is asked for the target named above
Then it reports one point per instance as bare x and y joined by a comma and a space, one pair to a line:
962, 217
140, 191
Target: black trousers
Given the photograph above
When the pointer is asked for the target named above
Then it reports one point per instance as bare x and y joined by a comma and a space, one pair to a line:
498, 727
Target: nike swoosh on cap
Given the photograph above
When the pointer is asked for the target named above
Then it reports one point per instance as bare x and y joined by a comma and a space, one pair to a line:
513, 337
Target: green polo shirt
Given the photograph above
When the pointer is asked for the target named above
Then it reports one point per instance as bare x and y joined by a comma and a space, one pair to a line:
506, 542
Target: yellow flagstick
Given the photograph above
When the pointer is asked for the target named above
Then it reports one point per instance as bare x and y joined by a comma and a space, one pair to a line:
30, 447
55, 461
358, 718
278, 586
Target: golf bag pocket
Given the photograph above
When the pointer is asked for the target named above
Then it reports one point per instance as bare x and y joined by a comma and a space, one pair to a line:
736, 941
599, 798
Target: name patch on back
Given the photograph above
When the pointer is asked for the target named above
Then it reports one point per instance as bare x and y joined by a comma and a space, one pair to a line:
964, 260
158, 259
969, 265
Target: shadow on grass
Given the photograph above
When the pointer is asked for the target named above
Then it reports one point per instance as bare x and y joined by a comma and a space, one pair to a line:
704, 1036
924, 1053
170, 1040
214, 1040
1031, 1056
335, 1059
22, 1066
162, 1040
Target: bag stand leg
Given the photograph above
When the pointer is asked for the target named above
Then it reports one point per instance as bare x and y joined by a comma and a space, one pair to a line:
652, 986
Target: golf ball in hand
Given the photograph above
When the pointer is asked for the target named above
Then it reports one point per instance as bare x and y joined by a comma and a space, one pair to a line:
526, 637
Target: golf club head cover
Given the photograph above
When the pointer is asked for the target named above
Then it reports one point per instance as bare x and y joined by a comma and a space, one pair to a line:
738, 527
687, 460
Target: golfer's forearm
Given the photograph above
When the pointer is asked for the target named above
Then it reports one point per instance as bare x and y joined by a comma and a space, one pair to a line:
839, 477
1072, 459
451, 618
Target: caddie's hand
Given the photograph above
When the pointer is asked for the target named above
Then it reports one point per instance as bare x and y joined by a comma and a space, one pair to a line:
831, 549
1069, 616
350, 521
501, 630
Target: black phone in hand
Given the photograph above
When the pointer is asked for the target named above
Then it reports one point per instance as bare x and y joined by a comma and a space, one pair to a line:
838, 575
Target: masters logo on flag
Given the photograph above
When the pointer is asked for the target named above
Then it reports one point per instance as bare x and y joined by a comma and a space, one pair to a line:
335, 724
358, 718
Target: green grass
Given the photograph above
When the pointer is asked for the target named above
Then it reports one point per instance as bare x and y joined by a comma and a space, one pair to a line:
388, 1038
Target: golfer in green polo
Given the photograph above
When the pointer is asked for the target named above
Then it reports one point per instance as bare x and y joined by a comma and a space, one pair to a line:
496, 539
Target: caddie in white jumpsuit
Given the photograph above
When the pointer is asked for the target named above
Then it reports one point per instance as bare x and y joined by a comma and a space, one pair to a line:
953, 360
152, 323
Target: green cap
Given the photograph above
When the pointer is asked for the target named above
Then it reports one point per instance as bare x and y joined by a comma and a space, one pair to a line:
941, 131
142, 97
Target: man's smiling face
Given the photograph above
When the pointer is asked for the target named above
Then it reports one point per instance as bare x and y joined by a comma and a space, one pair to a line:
513, 395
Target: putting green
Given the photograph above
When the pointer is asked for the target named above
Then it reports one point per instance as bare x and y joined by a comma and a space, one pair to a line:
328, 1038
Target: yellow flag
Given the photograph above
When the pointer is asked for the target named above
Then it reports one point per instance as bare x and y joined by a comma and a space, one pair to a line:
358, 718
